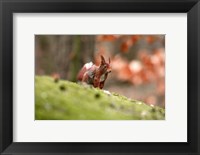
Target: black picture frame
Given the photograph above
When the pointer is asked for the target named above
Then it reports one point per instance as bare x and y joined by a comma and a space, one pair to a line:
8, 7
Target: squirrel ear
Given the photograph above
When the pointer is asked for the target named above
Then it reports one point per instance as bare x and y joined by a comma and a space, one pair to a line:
102, 60
109, 60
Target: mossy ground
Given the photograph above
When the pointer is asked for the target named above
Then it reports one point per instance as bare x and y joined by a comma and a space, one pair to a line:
64, 100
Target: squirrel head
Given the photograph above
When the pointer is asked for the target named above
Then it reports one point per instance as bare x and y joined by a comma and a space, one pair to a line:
104, 66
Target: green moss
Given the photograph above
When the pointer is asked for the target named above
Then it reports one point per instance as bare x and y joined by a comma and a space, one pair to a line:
66, 100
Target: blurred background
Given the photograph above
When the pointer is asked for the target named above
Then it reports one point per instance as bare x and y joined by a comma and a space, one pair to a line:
137, 61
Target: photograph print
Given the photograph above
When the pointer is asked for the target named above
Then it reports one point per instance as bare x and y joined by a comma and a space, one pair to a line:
100, 77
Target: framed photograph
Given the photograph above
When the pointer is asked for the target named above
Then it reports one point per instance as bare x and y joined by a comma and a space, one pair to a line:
104, 77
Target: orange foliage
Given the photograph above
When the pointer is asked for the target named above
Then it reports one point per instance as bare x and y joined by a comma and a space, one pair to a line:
107, 37
150, 67
150, 39
135, 38
124, 47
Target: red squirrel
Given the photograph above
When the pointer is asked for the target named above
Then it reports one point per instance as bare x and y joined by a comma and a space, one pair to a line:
95, 75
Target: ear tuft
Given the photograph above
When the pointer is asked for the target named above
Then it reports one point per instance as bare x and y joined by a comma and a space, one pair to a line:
102, 60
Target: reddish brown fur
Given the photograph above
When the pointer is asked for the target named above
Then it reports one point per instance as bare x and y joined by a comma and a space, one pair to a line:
93, 74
